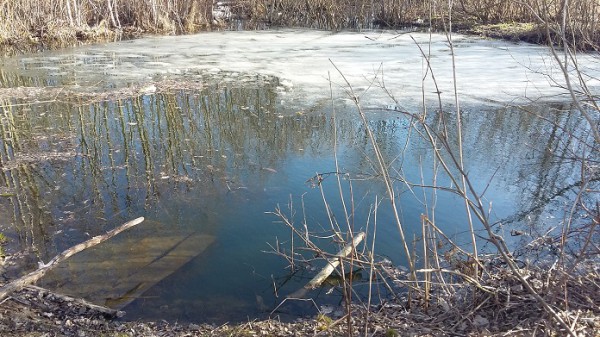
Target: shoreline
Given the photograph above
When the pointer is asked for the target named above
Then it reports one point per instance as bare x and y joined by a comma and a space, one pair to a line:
498, 306
64, 37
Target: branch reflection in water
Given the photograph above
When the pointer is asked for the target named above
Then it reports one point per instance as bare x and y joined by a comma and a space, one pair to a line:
215, 159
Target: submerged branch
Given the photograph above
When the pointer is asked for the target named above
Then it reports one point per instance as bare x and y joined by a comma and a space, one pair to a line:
34, 276
333, 262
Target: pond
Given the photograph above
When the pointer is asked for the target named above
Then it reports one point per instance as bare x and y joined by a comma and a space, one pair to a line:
209, 133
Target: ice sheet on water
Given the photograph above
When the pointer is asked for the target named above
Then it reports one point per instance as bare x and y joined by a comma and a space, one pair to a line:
304, 60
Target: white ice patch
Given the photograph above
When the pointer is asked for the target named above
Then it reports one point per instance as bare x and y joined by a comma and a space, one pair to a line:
305, 60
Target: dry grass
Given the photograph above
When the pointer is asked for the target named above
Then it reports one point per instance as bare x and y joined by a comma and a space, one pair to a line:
63, 22
58, 23
500, 306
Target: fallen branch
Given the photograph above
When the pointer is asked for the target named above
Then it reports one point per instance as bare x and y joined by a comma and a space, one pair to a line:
333, 262
34, 276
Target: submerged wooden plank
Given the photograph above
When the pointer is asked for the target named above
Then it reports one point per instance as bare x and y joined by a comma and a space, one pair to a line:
36, 275
117, 272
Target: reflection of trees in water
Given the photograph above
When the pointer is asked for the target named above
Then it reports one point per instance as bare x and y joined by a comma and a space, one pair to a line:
529, 153
82, 168
152, 153
531, 150
20, 185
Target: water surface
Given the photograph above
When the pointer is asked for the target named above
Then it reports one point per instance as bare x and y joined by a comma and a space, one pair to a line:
221, 128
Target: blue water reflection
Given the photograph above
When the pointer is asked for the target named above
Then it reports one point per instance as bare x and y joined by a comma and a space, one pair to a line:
217, 160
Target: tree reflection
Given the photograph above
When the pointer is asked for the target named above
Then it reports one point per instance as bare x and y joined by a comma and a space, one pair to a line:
75, 167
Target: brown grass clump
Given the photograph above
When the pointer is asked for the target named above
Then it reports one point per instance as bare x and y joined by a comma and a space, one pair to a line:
56, 23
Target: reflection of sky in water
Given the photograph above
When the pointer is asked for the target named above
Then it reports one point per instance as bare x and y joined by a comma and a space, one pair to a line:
218, 159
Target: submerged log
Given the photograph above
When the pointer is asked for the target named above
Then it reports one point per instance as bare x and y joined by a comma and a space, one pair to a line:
334, 261
34, 276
